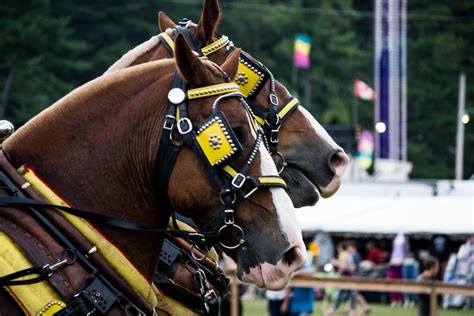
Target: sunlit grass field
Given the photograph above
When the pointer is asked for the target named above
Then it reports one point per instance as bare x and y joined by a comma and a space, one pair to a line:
258, 307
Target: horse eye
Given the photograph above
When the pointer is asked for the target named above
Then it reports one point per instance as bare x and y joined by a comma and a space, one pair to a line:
239, 133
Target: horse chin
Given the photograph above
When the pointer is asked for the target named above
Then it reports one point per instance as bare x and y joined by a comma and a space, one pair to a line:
267, 276
302, 191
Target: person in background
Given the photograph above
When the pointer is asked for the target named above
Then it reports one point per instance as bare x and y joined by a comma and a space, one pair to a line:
430, 270
275, 301
375, 254
299, 300
346, 267
352, 248
410, 271
399, 254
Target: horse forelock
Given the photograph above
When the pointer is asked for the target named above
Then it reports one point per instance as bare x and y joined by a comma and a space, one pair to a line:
132, 55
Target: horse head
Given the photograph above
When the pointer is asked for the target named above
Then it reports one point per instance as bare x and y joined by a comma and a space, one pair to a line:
314, 162
265, 212
99, 146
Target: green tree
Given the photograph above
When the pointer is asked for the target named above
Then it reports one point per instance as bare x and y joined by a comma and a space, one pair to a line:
440, 47
38, 53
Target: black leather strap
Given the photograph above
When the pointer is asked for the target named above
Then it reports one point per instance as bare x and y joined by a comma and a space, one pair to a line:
9, 280
79, 257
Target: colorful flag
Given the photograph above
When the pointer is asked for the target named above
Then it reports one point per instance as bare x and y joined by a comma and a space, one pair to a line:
363, 91
365, 150
301, 53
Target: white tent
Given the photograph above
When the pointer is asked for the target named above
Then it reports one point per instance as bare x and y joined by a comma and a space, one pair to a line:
390, 214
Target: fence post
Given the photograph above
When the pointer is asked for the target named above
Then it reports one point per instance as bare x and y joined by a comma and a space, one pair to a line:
234, 299
433, 301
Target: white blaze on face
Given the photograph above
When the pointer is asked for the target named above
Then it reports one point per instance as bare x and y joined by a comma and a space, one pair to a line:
281, 200
277, 276
318, 129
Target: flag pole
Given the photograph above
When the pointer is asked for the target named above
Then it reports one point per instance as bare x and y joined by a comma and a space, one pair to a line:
294, 80
355, 111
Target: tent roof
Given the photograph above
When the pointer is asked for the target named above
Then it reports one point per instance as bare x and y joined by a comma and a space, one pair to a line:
390, 214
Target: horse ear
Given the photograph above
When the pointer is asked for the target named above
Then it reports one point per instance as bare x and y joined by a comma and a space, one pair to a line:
164, 22
190, 67
209, 20
231, 64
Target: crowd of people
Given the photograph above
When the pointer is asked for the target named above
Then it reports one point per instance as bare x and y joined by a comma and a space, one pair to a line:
347, 261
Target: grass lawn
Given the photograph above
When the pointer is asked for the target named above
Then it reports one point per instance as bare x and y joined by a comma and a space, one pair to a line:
257, 307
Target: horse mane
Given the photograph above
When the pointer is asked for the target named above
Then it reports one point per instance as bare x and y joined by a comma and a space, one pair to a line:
132, 55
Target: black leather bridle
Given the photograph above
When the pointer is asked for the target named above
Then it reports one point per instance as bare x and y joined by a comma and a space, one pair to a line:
271, 119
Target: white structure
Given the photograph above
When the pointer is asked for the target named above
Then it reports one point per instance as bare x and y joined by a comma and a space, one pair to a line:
395, 207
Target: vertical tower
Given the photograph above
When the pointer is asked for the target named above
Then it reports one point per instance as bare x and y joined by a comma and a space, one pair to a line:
390, 80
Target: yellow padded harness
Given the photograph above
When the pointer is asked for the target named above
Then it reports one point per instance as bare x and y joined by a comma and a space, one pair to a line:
112, 254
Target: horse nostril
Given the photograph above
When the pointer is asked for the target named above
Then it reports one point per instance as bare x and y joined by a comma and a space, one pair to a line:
290, 256
338, 161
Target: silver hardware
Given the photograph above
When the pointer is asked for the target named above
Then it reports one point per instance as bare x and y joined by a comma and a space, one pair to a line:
238, 181
25, 185
240, 232
6, 129
176, 96
195, 249
188, 126
273, 99
169, 122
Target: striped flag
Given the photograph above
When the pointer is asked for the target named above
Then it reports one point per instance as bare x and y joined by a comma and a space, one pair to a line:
363, 91
365, 150
302, 49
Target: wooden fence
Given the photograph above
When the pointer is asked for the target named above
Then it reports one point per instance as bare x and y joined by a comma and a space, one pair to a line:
433, 289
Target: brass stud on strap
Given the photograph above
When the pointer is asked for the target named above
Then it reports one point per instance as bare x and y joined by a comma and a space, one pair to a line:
92, 250
25, 185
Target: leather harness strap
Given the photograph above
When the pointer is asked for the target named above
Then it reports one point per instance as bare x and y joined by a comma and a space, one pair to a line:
97, 283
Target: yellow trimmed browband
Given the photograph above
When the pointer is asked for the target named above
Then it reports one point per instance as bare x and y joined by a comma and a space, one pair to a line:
215, 46
168, 40
206, 50
208, 91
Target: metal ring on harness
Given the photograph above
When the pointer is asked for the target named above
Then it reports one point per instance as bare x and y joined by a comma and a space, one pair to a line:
239, 230
280, 159
234, 198
195, 257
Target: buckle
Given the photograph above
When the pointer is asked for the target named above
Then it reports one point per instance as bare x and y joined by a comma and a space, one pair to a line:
238, 181
169, 122
274, 136
273, 99
196, 238
229, 217
184, 126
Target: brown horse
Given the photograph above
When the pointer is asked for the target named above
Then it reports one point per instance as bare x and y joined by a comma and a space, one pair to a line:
314, 161
98, 147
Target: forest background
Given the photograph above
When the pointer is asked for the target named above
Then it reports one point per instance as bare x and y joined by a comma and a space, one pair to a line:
50, 47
